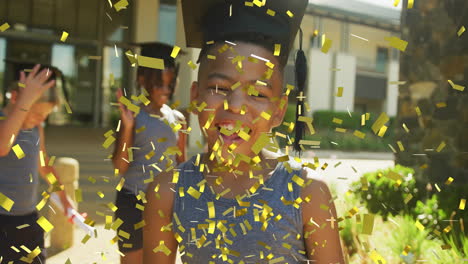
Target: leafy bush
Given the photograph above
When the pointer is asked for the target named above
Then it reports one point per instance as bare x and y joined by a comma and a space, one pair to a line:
384, 196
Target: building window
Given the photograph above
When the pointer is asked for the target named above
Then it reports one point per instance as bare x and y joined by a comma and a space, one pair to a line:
167, 23
382, 60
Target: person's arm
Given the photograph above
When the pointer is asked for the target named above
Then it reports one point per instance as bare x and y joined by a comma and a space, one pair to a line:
322, 239
35, 84
124, 138
181, 144
46, 169
158, 214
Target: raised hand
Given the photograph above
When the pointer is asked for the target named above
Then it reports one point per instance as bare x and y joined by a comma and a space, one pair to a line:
33, 86
128, 120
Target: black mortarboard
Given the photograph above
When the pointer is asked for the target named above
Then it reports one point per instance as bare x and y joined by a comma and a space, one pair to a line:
55, 74
277, 20
209, 20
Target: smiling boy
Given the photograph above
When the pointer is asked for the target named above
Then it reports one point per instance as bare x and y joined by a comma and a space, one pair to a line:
239, 202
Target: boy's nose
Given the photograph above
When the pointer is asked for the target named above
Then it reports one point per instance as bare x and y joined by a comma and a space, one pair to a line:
236, 100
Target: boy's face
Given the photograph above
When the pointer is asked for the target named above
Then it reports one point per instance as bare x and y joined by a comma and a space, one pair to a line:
226, 106
37, 114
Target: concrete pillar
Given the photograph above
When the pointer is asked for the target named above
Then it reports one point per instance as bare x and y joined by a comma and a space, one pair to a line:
346, 78
186, 76
146, 20
61, 237
391, 102
319, 86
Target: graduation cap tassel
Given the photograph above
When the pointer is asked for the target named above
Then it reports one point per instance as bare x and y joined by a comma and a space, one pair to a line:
301, 77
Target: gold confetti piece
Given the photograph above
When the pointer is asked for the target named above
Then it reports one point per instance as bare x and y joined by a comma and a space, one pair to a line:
456, 86
277, 49
78, 195
22, 226
449, 181
397, 82
368, 224
406, 128
394, 176
64, 36
400, 146
290, 14
260, 143
339, 93
406, 250
4, 27
381, 121
192, 65
462, 204
6, 202
18, 151
441, 146
122, 4
271, 12
461, 31
175, 52
149, 62
162, 248
441, 105
51, 161
397, 43
95, 57
309, 142
85, 239
408, 198
359, 134
211, 210
377, 258
396, 3
112, 206
326, 44
340, 130
419, 225
382, 131
193, 192
108, 142
45, 224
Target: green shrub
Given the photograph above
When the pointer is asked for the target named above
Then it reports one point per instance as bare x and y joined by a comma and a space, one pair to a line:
384, 196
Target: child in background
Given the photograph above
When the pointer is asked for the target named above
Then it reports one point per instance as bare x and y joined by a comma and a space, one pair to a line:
21, 140
239, 202
151, 139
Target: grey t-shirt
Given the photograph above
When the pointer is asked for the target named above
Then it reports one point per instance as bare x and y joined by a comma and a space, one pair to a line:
19, 178
151, 132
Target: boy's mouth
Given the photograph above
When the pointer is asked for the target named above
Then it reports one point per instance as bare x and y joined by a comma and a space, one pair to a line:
233, 132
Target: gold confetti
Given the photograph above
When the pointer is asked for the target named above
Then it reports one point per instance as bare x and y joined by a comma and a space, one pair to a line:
108, 142
290, 14
377, 258
326, 44
456, 86
380, 122
359, 134
419, 225
339, 93
397, 43
271, 12
368, 224
193, 192
122, 4
64, 36
410, 4
277, 50
149, 62
192, 65
461, 31
4, 27
396, 3
45, 224
462, 204
18, 151
6, 202
449, 181
175, 51
441, 146
408, 198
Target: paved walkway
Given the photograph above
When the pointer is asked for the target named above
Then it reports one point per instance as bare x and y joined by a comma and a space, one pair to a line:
85, 145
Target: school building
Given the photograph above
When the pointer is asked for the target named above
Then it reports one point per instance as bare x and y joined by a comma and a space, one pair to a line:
93, 60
